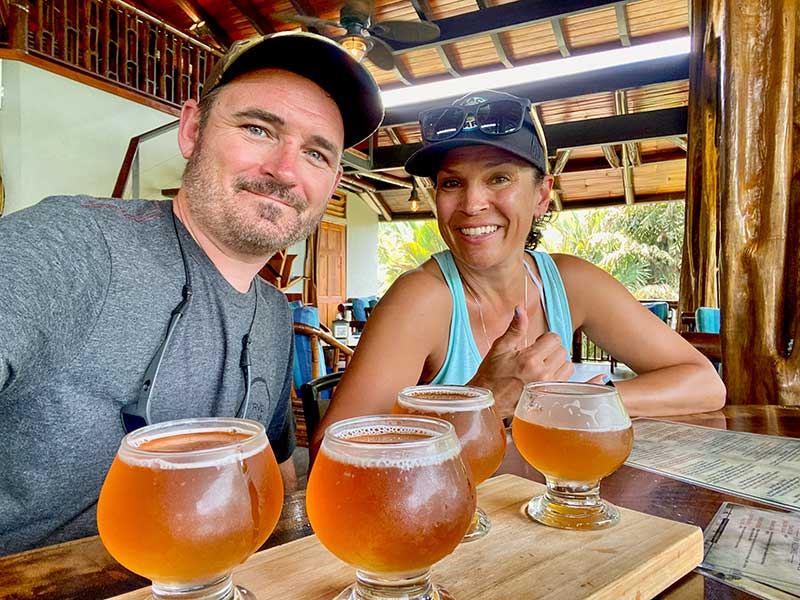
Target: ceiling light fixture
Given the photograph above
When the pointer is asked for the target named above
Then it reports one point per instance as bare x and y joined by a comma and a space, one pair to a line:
356, 46
542, 71
414, 197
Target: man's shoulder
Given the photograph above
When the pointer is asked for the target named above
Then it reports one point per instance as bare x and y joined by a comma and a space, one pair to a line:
273, 297
75, 210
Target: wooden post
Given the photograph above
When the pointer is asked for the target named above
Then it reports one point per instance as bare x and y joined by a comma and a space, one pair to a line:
18, 11
760, 201
699, 266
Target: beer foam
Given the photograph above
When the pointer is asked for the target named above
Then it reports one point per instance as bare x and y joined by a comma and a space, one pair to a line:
198, 459
422, 456
571, 416
443, 403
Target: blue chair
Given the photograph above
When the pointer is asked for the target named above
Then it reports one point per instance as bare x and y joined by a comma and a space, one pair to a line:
659, 309
360, 306
706, 320
309, 362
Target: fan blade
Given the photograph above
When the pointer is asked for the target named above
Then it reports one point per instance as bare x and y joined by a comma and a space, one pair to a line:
406, 31
381, 54
357, 9
304, 20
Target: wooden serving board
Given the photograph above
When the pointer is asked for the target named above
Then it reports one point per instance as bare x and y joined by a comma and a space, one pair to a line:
518, 559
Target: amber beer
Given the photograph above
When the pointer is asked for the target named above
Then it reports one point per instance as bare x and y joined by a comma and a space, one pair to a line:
572, 455
188, 506
383, 502
479, 429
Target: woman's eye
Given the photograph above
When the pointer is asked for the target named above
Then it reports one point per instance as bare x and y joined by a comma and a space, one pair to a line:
501, 179
449, 184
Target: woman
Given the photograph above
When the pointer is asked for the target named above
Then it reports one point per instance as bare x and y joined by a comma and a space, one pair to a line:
491, 312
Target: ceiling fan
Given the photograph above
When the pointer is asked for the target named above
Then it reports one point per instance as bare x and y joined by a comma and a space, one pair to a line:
364, 38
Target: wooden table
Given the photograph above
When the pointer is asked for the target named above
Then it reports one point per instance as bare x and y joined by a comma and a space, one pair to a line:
82, 569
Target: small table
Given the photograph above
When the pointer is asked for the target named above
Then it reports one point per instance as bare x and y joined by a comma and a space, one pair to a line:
83, 569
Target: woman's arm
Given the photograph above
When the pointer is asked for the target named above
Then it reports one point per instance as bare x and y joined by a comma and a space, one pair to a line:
673, 377
407, 325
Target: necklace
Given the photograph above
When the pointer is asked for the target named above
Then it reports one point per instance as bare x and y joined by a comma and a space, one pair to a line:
480, 310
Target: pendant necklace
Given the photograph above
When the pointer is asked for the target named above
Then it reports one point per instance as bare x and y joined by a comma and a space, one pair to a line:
480, 310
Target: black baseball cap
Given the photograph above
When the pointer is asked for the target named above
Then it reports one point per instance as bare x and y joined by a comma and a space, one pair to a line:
318, 59
523, 143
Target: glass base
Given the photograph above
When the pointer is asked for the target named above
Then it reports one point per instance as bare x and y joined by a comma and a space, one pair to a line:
480, 526
572, 507
222, 589
374, 586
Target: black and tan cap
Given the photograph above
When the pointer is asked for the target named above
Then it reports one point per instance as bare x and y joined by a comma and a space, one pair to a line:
318, 59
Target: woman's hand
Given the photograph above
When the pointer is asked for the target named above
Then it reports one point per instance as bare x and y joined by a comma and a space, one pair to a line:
509, 364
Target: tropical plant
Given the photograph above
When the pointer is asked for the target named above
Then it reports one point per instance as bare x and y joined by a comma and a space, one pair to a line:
404, 245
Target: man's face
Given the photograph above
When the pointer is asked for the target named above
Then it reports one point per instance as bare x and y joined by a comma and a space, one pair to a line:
262, 169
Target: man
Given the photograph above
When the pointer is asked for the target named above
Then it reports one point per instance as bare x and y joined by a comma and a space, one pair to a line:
115, 314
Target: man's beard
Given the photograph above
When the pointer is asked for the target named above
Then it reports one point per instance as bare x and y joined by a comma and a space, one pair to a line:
219, 213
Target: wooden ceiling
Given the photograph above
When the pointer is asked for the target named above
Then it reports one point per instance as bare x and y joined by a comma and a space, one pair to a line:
614, 136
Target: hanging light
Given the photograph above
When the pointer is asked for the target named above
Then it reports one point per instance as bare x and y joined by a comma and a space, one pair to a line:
414, 197
356, 46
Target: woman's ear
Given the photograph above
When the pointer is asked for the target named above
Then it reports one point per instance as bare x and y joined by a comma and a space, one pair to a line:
542, 196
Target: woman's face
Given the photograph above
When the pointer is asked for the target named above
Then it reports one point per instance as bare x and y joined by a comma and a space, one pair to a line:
486, 199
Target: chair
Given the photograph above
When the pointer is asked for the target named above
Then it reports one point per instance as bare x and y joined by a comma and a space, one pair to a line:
707, 319
709, 344
309, 365
314, 405
659, 309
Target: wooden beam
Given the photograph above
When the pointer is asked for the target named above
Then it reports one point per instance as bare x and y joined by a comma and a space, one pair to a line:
424, 12
497, 19
639, 74
629, 150
256, 18
562, 156
497, 42
619, 129
424, 184
680, 142
620, 201
622, 25
611, 156
580, 165
197, 13
561, 41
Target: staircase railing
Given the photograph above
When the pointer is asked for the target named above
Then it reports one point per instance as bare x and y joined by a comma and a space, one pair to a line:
114, 41
130, 164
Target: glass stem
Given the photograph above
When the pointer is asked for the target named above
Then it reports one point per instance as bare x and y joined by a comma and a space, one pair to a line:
221, 589
373, 586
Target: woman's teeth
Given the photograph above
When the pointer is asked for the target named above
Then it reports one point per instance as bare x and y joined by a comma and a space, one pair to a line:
479, 230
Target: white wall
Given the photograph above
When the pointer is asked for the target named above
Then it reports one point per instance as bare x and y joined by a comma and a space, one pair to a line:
58, 136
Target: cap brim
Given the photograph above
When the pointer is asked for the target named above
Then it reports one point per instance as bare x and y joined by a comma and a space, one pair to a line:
327, 64
426, 161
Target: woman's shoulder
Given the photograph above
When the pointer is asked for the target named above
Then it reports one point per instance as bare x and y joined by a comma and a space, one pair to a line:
425, 280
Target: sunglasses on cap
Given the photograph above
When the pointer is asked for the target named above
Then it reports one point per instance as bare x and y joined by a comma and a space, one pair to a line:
495, 117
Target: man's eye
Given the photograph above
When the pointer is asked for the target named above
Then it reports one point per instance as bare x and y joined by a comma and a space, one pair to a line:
256, 130
318, 156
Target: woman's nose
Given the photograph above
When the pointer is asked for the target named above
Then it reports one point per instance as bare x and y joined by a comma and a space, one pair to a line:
474, 199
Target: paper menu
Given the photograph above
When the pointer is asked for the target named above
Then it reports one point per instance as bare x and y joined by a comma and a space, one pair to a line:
754, 549
764, 468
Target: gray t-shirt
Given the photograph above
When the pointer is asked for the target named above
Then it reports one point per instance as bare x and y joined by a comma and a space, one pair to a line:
87, 286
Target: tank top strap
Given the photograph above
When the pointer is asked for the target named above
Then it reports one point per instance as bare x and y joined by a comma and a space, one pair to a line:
554, 297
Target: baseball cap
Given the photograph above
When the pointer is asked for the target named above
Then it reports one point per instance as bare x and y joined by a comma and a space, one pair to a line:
318, 59
463, 125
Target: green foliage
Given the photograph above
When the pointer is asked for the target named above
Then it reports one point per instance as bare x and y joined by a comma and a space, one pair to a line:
404, 245
639, 245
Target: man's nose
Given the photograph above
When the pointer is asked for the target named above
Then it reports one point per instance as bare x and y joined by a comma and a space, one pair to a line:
281, 162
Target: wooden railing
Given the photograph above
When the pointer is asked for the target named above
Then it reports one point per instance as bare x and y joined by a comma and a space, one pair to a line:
114, 41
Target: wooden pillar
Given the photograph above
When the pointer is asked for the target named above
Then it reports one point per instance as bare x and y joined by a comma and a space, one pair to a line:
18, 11
759, 176
701, 237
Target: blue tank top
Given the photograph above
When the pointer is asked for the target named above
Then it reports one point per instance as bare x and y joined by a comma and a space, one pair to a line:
463, 358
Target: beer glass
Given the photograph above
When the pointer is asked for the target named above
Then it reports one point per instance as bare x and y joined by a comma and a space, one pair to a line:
478, 427
186, 501
574, 434
390, 496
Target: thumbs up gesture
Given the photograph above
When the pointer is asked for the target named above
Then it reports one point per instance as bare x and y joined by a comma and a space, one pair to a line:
510, 364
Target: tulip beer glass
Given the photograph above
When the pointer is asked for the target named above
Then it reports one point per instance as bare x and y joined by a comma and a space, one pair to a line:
479, 429
186, 501
574, 434
390, 496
